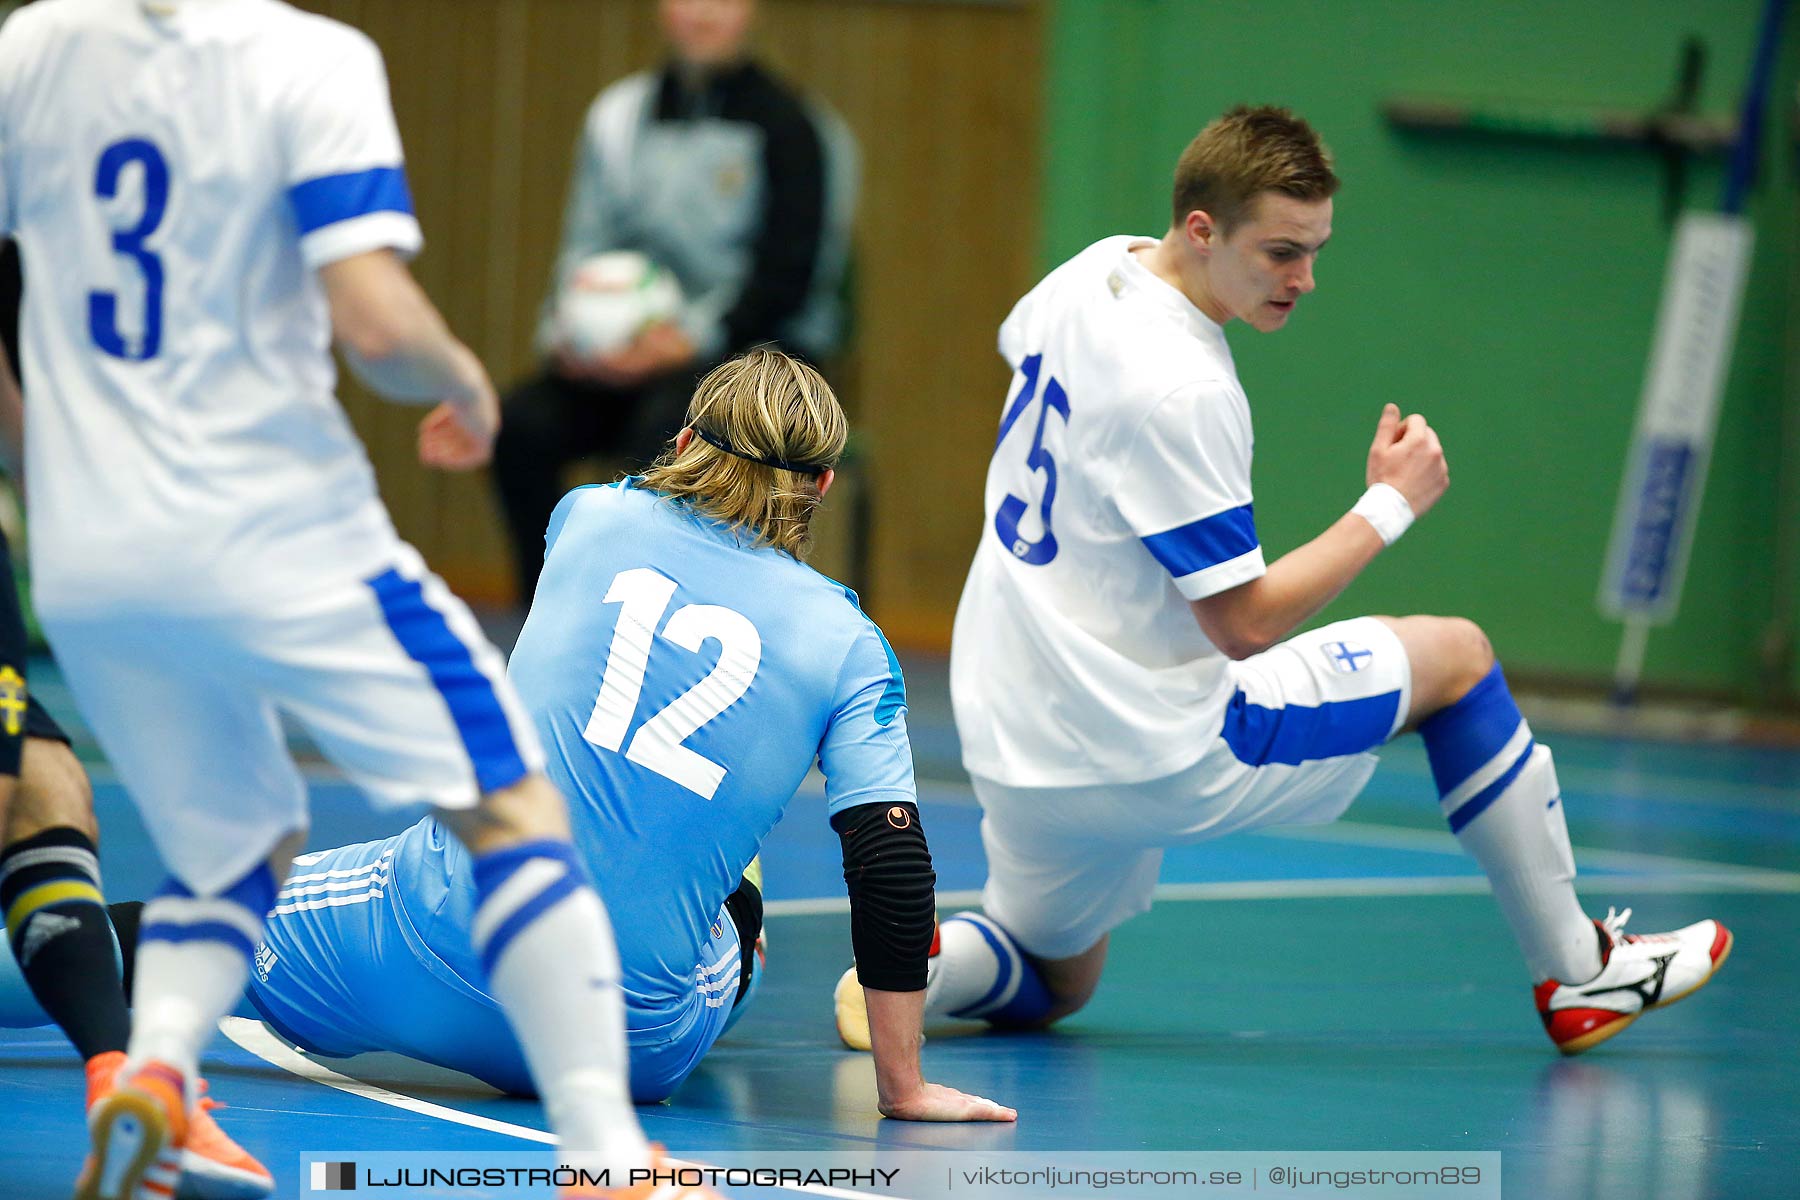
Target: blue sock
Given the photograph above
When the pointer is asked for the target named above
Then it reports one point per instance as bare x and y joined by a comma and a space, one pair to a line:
1476, 747
1499, 792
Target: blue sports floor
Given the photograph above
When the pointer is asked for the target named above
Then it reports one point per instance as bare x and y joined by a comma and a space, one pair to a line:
1348, 987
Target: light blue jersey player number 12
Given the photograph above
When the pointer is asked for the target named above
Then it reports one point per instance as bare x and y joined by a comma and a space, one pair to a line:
644, 595
1006, 518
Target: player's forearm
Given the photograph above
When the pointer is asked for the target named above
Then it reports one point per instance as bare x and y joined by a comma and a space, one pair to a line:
1249, 619
896, 1031
393, 336
893, 908
418, 368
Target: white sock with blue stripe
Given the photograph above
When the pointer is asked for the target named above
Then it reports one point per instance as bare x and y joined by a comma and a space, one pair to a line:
548, 949
979, 973
193, 960
1498, 790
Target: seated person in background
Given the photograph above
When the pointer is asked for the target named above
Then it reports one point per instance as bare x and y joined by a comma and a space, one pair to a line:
685, 670
715, 171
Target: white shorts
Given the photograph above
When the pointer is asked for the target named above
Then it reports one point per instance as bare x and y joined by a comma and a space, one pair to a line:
1067, 865
391, 677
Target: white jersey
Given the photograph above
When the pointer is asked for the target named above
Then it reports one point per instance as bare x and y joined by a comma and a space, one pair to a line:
175, 173
1119, 491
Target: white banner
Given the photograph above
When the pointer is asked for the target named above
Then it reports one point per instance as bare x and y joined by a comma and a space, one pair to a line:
1678, 413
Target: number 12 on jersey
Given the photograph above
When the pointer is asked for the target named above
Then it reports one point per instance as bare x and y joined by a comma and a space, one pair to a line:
1006, 518
644, 596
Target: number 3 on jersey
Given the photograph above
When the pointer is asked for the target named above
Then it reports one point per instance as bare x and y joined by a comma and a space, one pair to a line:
1006, 518
103, 307
644, 596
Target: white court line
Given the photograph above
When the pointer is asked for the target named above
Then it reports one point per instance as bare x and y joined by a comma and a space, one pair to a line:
255, 1037
1601, 781
1464, 885
1638, 784
1728, 879
1400, 837
1673, 876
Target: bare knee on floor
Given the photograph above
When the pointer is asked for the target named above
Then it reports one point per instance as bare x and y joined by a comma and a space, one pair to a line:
1071, 981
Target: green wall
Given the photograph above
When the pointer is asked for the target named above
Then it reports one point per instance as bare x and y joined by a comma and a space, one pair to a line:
1505, 289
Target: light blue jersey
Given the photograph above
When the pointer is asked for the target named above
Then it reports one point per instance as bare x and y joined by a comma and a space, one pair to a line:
683, 684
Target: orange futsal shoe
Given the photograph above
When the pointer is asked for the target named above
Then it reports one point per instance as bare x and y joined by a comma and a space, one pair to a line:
210, 1165
213, 1167
137, 1128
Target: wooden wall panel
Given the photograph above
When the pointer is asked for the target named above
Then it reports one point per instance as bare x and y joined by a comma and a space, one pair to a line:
946, 102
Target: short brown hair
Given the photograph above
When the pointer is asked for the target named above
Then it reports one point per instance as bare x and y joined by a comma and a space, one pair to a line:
768, 405
1248, 151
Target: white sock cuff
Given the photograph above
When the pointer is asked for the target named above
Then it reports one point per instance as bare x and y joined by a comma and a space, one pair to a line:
1010, 964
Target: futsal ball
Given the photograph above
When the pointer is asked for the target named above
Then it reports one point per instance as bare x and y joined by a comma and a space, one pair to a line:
610, 297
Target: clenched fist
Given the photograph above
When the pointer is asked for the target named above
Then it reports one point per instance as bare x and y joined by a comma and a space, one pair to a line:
1408, 457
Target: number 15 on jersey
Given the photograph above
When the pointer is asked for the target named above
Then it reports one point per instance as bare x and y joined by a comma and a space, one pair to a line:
1039, 458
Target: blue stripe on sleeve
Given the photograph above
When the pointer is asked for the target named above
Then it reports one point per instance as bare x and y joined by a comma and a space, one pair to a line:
893, 699
1206, 542
333, 198
1298, 733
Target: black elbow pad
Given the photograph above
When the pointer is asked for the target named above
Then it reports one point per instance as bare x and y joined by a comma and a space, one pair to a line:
893, 899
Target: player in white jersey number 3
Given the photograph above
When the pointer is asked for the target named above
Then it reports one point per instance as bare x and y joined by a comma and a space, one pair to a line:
1118, 672
206, 195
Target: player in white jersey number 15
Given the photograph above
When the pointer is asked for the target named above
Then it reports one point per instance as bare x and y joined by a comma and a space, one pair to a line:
1118, 669
205, 196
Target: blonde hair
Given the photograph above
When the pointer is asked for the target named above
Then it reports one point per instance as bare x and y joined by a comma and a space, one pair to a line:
1244, 153
768, 405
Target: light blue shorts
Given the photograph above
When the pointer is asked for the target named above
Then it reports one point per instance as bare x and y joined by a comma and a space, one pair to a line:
342, 970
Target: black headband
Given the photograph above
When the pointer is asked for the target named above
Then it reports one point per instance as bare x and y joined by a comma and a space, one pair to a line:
719, 443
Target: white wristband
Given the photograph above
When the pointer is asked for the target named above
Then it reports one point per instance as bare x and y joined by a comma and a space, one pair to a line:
1386, 509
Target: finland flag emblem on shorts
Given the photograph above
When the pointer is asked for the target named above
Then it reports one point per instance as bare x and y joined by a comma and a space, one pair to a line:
1347, 658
